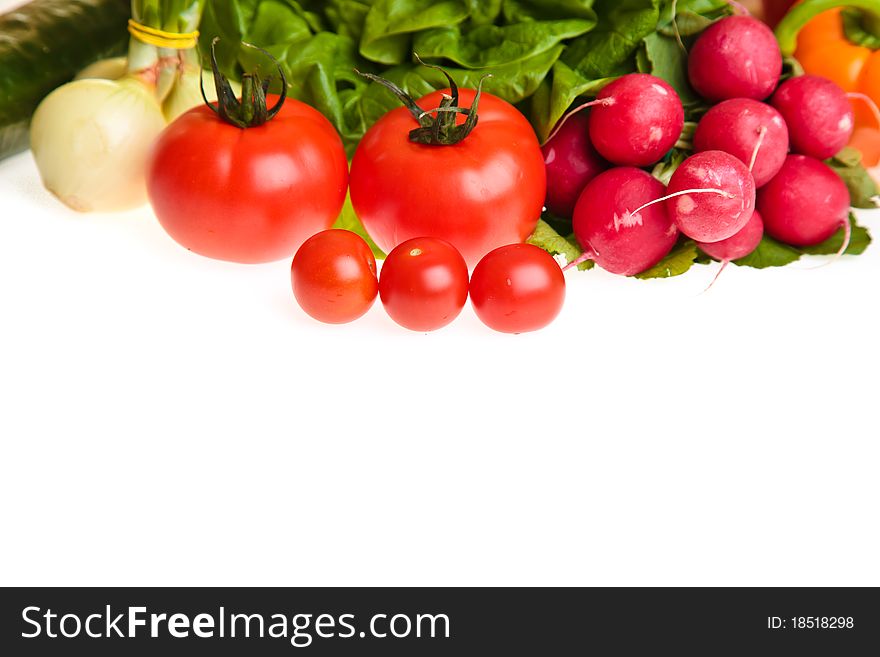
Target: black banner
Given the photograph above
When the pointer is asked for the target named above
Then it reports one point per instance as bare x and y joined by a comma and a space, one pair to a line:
451, 621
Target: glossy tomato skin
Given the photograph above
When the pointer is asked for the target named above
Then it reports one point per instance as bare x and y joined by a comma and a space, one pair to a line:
248, 195
333, 275
482, 193
424, 284
517, 289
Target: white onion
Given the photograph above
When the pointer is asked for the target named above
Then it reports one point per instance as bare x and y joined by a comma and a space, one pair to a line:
91, 140
105, 69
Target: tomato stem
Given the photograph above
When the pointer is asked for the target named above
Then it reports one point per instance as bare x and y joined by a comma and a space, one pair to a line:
437, 126
251, 110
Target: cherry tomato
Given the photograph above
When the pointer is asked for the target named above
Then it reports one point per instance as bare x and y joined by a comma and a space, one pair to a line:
424, 284
248, 195
334, 277
481, 193
517, 289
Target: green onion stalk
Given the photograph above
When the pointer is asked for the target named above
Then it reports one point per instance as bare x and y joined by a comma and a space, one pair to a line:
175, 72
91, 138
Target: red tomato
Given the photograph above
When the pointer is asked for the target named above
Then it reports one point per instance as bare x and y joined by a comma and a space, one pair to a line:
517, 288
424, 284
248, 195
484, 192
334, 277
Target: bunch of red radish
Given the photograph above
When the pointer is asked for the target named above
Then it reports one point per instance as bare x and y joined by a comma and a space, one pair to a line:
757, 163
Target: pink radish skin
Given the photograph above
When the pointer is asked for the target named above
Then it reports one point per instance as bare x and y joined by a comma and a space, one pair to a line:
737, 57
735, 127
571, 163
819, 115
640, 121
805, 204
711, 217
617, 240
738, 246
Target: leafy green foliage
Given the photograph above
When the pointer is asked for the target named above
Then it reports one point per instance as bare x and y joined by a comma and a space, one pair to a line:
858, 243
550, 51
348, 220
546, 237
692, 16
770, 253
862, 189
855, 30
678, 262
664, 170
668, 61
390, 26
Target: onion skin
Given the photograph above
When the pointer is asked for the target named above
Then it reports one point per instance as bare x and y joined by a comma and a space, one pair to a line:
91, 140
105, 69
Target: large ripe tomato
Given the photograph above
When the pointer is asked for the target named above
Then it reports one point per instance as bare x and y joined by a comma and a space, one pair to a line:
481, 193
248, 194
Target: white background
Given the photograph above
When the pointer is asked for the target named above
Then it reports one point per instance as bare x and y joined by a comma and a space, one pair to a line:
167, 419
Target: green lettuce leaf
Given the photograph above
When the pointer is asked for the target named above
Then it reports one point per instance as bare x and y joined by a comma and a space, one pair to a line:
391, 24
678, 262
862, 189
348, 220
859, 242
668, 62
609, 49
545, 237
770, 253
492, 45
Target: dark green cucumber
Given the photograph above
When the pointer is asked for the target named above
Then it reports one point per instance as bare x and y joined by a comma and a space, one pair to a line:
43, 45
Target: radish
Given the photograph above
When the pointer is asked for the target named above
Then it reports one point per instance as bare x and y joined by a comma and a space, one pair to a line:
618, 224
819, 115
711, 196
749, 130
736, 57
736, 247
636, 120
805, 204
571, 163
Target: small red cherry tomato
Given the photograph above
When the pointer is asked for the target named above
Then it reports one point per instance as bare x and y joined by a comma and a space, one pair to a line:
424, 284
517, 289
334, 277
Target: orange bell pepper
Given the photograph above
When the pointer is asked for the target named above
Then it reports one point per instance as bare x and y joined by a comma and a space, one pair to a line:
813, 32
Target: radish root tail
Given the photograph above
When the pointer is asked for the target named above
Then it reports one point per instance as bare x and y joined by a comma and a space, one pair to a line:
847, 240
724, 265
685, 192
586, 257
605, 102
762, 133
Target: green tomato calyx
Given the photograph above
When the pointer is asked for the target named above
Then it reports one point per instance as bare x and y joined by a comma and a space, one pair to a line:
251, 110
437, 126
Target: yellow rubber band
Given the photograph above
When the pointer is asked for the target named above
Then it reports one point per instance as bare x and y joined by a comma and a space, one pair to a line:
162, 39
